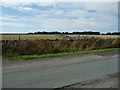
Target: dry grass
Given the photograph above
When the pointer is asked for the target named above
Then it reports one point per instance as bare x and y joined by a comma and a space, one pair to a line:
30, 37
39, 47
49, 36
100, 36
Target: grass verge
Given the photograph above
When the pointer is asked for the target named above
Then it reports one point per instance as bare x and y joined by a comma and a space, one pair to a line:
25, 57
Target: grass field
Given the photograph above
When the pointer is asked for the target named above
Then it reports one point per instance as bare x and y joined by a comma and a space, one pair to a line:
26, 45
48, 36
30, 37
100, 36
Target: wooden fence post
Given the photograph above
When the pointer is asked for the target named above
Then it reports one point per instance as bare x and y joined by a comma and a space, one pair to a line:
19, 36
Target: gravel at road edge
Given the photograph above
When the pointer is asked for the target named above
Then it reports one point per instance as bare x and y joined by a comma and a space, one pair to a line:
108, 81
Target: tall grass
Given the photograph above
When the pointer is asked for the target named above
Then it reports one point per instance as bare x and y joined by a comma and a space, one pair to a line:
39, 47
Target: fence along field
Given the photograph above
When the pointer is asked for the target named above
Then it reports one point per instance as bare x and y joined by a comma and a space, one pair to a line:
46, 46
48, 36
29, 37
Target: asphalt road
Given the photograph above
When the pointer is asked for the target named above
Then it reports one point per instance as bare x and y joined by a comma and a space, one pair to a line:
58, 72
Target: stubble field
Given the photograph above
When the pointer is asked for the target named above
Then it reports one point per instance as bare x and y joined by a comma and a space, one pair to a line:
48, 36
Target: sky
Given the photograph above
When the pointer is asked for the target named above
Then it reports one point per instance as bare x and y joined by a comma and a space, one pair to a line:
24, 17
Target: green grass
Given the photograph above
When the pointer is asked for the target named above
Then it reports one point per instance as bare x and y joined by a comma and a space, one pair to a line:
25, 57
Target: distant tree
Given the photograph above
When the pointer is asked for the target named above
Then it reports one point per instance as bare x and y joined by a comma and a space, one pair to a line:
81, 33
30, 33
109, 33
116, 33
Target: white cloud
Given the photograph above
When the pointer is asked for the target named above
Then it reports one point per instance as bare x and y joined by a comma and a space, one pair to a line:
18, 6
59, 17
44, 4
8, 18
103, 7
24, 8
52, 12
99, 6
106, 23
78, 13
14, 24
59, 1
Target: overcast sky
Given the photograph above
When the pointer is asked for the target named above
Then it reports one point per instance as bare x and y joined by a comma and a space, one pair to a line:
59, 16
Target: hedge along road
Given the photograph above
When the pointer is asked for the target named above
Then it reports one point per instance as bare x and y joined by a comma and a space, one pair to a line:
59, 71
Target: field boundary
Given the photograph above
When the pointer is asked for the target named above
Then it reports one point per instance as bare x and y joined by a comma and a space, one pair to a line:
26, 57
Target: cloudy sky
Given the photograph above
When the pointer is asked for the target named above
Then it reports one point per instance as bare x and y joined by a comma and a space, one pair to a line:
59, 16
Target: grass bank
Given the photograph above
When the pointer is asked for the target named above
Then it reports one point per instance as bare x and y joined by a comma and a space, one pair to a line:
40, 47
25, 57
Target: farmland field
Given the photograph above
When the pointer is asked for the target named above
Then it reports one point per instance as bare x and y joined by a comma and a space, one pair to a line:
39, 44
39, 47
48, 36
100, 36
29, 37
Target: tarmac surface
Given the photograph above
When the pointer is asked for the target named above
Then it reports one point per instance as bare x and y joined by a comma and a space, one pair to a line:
59, 71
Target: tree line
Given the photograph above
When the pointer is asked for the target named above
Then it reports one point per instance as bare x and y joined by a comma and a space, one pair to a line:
82, 33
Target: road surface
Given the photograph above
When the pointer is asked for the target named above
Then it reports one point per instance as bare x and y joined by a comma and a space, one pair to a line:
108, 81
59, 71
